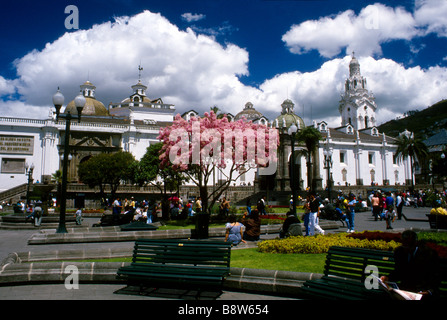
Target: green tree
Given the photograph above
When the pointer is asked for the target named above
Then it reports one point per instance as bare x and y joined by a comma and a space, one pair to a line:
310, 136
413, 147
148, 170
107, 169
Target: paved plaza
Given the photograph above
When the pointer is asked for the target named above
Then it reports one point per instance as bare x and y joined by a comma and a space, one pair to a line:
17, 241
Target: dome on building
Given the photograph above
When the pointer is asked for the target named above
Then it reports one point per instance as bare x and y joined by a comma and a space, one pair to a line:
288, 117
249, 112
92, 106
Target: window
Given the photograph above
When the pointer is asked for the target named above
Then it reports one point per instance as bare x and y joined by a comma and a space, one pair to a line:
342, 157
371, 158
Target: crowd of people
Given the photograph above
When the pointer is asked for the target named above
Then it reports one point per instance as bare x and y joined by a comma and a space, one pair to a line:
137, 210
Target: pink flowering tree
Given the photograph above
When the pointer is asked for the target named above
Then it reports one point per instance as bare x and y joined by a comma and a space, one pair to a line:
208, 144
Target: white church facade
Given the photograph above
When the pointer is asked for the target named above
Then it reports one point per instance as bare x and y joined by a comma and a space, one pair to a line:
360, 154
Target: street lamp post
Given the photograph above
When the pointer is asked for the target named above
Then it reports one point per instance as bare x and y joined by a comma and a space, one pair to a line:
292, 132
58, 101
29, 172
328, 165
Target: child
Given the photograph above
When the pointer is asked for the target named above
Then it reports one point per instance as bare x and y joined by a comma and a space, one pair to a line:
78, 216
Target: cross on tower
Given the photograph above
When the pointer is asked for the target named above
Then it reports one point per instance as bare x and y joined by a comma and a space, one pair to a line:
139, 72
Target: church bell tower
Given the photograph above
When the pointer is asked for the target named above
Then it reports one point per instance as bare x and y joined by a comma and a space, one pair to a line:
357, 105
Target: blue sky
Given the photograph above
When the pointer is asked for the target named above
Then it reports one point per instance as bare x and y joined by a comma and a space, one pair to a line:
200, 53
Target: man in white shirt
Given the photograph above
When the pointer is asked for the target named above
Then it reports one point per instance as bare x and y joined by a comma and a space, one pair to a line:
399, 206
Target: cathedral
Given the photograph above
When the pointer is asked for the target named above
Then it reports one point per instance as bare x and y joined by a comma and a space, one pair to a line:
355, 153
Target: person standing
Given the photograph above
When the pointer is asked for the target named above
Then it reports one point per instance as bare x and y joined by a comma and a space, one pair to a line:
225, 207
248, 205
389, 211
116, 206
198, 205
351, 212
314, 208
399, 205
78, 216
261, 206
306, 207
375, 203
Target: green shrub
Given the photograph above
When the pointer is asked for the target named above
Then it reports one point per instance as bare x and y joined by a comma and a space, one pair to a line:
436, 237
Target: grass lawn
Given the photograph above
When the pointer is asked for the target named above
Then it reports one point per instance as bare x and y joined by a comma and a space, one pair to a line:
252, 258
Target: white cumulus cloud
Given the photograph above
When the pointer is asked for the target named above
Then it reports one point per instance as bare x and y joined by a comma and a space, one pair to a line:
193, 17
317, 94
363, 33
184, 68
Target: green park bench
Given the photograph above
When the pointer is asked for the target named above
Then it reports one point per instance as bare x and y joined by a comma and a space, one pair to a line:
344, 275
172, 263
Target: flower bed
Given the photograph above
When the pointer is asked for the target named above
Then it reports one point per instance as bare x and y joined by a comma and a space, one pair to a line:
321, 244
272, 218
376, 235
377, 240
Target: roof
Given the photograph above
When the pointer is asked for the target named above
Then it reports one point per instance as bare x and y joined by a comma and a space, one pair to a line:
92, 107
364, 137
437, 142
438, 139
249, 112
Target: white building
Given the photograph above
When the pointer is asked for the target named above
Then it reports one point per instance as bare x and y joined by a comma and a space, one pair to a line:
131, 125
359, 154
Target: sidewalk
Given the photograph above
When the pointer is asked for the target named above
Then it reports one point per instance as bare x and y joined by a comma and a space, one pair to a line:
16, 241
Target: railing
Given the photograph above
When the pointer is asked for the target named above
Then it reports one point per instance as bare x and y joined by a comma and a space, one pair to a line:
22, 120
13, 192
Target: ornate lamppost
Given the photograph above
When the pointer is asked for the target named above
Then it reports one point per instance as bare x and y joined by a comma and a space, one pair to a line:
58, 101
29, 172
292, 133
328, 166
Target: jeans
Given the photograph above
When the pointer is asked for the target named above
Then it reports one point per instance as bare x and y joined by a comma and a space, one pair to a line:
350, 219
306, 223
312, 222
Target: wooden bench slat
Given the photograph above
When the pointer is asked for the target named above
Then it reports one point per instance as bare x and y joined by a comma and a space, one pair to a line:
178, 262
344, 274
